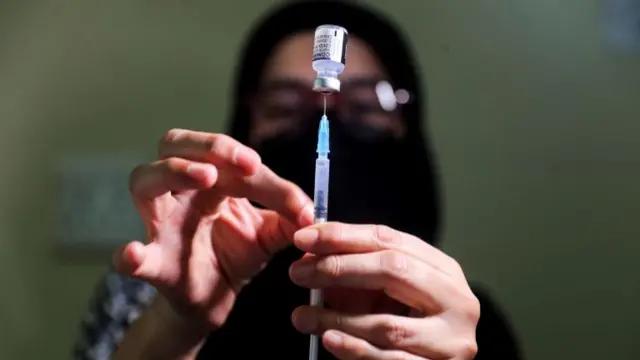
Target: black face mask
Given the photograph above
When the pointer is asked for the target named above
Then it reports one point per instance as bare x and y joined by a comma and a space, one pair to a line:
368, 170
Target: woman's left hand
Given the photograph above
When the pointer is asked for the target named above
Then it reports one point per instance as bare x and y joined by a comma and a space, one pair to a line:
444, 311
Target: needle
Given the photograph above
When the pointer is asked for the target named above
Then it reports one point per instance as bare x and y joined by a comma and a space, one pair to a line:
324, 107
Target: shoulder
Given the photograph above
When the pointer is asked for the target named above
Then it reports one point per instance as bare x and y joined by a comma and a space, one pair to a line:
495, 335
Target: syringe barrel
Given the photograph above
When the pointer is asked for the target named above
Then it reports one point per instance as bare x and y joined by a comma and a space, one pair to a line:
321, 189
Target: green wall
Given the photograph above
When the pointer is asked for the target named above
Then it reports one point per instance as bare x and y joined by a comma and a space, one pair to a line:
534, 121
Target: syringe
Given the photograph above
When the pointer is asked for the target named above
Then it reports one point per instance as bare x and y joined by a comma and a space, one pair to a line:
329, 59
321, 206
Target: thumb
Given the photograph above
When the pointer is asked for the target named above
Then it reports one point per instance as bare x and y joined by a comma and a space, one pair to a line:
139, 260
275, 232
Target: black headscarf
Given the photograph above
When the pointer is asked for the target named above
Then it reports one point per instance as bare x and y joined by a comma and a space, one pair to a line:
259, 324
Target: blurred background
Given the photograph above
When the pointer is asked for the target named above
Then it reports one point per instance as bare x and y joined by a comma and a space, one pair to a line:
534, 117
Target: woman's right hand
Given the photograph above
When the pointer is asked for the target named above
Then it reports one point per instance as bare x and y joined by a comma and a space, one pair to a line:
205, 239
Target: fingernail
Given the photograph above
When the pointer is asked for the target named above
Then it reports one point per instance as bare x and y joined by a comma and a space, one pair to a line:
306, 236
245, 158
306, 216
333, 338
305, 321
302, 269
194, 168
201, 172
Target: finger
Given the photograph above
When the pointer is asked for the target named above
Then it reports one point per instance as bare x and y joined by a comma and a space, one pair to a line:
139, 261
403, 277
347, 347
429, 337
271, 231
218, 149
174, 174
275, 232
274, 192
336, 238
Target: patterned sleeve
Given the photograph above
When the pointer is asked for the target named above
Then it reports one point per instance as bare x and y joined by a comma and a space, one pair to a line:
117, 302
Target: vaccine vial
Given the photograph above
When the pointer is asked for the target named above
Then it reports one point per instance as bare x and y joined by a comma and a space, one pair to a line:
329, 57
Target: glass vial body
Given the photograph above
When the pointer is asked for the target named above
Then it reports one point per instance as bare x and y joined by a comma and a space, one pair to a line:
329, 57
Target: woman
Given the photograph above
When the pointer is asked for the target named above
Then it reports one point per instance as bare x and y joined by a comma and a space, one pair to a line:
225, 269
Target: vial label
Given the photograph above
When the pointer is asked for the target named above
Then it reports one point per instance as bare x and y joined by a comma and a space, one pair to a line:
330, 44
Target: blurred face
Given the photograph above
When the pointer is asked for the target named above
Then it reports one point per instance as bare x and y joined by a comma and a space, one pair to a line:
365, 131
285, 101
